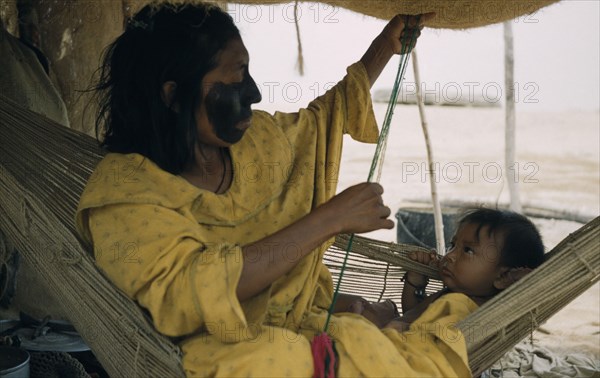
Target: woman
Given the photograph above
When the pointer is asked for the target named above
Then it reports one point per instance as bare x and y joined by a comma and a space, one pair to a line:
215, 218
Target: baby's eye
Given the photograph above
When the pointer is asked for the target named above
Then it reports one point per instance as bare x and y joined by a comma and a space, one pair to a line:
469, 250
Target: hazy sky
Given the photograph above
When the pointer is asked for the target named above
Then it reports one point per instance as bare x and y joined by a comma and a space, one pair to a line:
556, 54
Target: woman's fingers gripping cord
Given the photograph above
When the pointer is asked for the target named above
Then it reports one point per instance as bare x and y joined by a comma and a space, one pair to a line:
360, 209
403, 30
386, 223
376, 187
383, 211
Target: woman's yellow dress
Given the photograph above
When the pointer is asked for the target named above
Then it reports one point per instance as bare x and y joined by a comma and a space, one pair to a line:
176, 250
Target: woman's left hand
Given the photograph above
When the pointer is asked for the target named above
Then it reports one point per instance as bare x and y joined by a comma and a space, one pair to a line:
402, 31
399, 36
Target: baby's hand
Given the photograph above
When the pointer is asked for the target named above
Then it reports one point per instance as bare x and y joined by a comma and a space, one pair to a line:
379, 313
427, 258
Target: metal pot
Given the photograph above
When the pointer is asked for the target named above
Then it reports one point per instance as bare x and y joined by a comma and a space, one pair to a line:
14, 362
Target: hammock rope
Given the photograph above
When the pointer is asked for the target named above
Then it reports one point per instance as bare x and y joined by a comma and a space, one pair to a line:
323, 346
379, 156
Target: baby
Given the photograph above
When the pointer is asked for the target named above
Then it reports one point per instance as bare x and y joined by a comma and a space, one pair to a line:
490, 250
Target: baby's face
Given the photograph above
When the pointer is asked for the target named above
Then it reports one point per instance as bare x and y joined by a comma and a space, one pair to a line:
472, 263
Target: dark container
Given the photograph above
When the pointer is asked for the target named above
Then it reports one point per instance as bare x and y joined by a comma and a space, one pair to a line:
14, 362
416, 226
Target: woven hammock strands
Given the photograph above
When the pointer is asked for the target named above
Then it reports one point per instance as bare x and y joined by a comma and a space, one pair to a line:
43, 170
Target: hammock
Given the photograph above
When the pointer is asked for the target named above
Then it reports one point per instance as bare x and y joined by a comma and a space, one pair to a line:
44, 168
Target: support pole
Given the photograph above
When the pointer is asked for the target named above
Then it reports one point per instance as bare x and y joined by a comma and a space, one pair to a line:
437, 209
511, 167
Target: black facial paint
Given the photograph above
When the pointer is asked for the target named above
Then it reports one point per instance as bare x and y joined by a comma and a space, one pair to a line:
229, 104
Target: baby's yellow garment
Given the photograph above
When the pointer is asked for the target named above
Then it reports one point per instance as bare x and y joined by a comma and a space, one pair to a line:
176, 250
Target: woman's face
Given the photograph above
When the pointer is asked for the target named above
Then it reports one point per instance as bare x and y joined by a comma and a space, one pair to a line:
228, 91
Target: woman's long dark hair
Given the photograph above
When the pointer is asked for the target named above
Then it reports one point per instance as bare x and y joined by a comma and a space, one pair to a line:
162, 42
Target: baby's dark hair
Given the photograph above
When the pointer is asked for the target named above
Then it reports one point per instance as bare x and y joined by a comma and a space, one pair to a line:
523, 246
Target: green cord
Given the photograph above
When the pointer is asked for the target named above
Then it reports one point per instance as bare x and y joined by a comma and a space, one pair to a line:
379, 153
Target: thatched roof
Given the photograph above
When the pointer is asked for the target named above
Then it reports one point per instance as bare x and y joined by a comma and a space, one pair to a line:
74, 32
450, 14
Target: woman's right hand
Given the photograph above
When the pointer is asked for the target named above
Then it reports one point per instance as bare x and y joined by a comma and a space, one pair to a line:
358, 209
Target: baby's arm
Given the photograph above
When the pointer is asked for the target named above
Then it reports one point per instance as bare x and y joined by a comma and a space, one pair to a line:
414, 299
413, 292
402, 323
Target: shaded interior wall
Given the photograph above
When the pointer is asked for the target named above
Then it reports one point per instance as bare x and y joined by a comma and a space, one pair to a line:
8, 16
74, 34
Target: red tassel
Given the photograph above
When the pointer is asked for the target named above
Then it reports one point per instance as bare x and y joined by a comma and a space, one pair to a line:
324, 357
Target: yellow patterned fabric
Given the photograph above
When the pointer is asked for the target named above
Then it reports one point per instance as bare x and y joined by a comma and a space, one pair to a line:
176, 250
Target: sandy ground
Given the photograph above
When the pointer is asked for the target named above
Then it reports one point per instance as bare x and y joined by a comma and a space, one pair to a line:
558, 161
